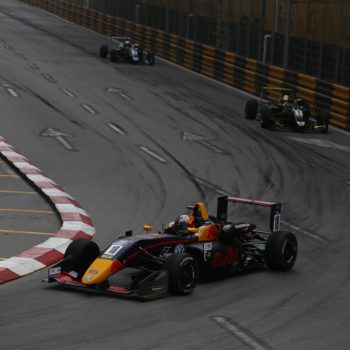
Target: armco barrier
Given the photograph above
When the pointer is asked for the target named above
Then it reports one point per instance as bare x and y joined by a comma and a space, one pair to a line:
242, 73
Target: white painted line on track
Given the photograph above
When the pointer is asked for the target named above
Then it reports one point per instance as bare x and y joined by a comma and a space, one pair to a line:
68, 93
116, 128
304, 232
322, 143
49, 78
12, 92
34, 66
239, 333
89, 108
125, 97
212, 187
152, 154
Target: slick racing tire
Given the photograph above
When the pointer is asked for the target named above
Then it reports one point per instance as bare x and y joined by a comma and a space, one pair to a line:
104, 51
150, 59
183, 273
82, 253
323, 118
251, 109
266, 121
281, 251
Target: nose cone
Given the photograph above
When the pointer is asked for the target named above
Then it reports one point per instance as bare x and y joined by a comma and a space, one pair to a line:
100, 270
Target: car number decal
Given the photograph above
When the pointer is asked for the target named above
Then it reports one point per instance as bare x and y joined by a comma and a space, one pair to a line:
113, 250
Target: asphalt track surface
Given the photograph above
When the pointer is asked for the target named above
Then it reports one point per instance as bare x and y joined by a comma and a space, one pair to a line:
139, 144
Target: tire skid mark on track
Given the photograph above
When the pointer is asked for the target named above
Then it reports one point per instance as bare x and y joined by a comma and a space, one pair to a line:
242, 334
50, 34
188, 174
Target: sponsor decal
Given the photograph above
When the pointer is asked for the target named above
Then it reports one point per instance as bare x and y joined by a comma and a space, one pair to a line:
55, 271
94, 271
166, 252
179, 248
73, 274
122, 242
242, 227
207, 248
159, 288
88, 278
225, 259
276, 222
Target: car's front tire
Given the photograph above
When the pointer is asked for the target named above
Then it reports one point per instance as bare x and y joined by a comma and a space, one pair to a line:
251, 109
113, 56
266, 121
81, 254
281, 251
104, 51
183, 273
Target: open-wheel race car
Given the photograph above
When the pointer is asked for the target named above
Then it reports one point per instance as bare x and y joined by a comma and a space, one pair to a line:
288, 110
124, 49
193, 247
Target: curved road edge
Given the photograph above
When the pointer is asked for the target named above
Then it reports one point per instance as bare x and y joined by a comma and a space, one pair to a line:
76, 223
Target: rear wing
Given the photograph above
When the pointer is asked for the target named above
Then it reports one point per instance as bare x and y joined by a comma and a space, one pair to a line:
266, 89
275, 211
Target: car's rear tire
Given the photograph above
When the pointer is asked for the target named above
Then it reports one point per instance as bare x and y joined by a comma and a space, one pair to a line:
183, 273
324, 119
266, 121
151, 59
251, 109
281, 251
104, 51
82, 253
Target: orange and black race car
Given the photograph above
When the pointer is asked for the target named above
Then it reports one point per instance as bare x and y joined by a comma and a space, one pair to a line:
193, 247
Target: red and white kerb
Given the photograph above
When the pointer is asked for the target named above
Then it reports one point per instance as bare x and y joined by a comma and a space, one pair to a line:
76, 223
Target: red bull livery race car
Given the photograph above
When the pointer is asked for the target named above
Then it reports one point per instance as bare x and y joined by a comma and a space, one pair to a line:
193, 247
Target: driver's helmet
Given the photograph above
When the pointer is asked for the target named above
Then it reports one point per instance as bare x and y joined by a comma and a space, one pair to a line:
127, 43
285, 98
183, 222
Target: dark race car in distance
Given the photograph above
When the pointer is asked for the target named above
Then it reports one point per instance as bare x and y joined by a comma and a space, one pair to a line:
125, 49
288, 110
176, 258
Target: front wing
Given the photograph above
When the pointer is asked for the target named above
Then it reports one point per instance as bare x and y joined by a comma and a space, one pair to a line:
153, 286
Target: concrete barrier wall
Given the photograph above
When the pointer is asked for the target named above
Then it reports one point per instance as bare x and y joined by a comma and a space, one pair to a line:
243, 73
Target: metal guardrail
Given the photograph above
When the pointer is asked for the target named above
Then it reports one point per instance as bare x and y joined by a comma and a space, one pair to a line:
243, 73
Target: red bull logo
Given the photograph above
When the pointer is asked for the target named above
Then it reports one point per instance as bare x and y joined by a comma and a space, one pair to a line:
223, 260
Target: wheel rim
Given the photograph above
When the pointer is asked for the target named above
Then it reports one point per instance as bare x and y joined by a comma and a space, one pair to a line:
188, 275
289, 251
